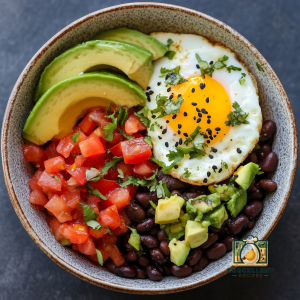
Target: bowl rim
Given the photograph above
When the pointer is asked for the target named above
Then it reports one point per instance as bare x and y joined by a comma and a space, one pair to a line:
4, 136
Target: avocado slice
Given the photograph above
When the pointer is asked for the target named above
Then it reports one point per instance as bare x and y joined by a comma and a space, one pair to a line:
56, 113
179, 251
215, 217
134, 239
225, 191
195, 233
237, 202
65, 242
168, 210
245, 175
124, 34
133, 60
207, 203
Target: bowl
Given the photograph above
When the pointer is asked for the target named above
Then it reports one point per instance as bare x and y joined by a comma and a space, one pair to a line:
146, 17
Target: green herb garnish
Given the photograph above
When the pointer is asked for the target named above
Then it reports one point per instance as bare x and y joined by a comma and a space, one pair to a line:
88, 213
127, 136
143, 115
75, 136
172, 76
147, 139
99, 256
95, 192
170, 55
242, 79
55, 177
259, 67
237, 117
167, 106
186, 173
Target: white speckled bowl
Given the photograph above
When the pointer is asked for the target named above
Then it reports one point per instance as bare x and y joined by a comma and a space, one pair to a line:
146, 17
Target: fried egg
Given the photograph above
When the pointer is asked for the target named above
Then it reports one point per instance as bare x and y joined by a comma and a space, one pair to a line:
207, 102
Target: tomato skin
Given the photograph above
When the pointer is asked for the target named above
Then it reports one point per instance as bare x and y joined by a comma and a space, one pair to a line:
65, 145
135, 151
124, 223
145, 168
111, 174
116, 256
59, 208
87, 125
38, 198
98, 117
71, 197
76, 149
109, 217
51, 150
105, 186
117, 150
126, 169
97, 233
133, 125
55, 164
33, 153
92, 147
33, 181
78, 173
119, 197
88, 247
49, 183
117, 137
76, 233
54, 225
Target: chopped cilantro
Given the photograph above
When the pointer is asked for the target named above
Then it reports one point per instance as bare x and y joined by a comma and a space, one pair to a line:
152, 204
158, 162
110, 164
122, 115
97, 226
143, 115
233, 68
172, 76
224, 165
95, 192
192, 135
154, 124
88, 213
237, 117
121, 174
242, 79
162, 190
127, 136
169, 42
108, 131
186, 173
55, 177
99, 256
37, 166
257, 147
92, 175
74, 155
167, 106
75, 136
205, 68
259, 67
170, 55
147, 139
135, 239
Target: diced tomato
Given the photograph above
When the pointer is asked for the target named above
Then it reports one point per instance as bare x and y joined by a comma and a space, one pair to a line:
135, 151
79, 160
70, 161
78, 173
59, 209
65, 145
145, 168
130, 111
131, 189
92, 147
75, 247
88, 247
33, 181
137, 135
111, 174
124, 223
105, 254
33, 153
71, 197
117, 150
76, 149
120, 197
54, 226
51, 150
76, 233
105, 186
87, 125
50, 181
109, 217
109, 239
116, 256
126, 169
134, 124
72, 182
97, 233
38, 198
55, 164
96, 163
98, 117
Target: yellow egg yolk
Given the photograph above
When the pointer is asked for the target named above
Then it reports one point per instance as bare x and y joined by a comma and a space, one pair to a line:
206, 104
250, 255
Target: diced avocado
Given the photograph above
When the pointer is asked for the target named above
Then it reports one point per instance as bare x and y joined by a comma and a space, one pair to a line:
216, 217
179, 251
225, 191
207, 203
133, 60
168, 210
246, 175
124, 34
174, 228
185, 218
56, 113
237, 202
65, 242
134, 239
195, 233
173, 235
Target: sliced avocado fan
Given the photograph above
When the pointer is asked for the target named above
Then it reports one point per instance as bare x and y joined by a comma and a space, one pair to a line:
133, 60
58, 110
124, 34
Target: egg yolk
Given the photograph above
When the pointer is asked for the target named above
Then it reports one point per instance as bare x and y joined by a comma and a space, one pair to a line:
206, 104
250, 255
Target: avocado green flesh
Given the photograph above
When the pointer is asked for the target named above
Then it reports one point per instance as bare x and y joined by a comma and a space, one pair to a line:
133, 60
124, 34
56, 113
179, 251
237, 202
246, 175
195, 233
215, 217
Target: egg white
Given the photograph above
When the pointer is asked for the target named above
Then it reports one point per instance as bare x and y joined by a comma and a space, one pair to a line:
243, 137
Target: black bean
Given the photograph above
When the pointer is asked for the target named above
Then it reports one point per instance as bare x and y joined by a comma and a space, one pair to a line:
215, 229
142, 198
252, 157
267, 185
149, 241
236, 225
194, 256
190, 195
212, 238
153, 231
164, 247
153, 197
145, 226
204, 261
153, 273
257, 195
182, 271
253, 208
173, 183
227, 241
135, 212
160, 175
177, 193
252, 187
140, 273
150, 212
269, 163
264, 150
110, 266
144, 261
162, 236
267, 130
157, 256
126, 271
131, 257
216, 251
167, 271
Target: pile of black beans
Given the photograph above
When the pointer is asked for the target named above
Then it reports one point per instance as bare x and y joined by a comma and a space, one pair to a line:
155, 262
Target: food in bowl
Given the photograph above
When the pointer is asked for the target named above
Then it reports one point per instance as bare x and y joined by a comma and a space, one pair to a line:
149, 183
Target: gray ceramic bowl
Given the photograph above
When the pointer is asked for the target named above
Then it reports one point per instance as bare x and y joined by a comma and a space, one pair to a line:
146, 17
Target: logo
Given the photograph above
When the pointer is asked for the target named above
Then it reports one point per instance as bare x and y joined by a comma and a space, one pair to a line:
250, 252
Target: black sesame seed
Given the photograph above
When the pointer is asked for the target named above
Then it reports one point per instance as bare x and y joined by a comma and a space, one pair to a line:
208, 116
205, 180
217, 129
171, 97
179, 131
208, 121
214, 167
185, 134
153, 116
174, 117
203, 110
167, 121
164, 131
197, 109
179, 126
148, 87
214, 150
150, 92
209, 131
208, 141
208, 174
159, 83
211, 62
197, 66
205, 136
238, 150
169, 89
202, 86
167, 144
185, 114
194, 118
176, 167
176, 144
207, 100
180, 141
215, 135
194, 103
210, 156
220, 170
199, 115
198, 120
179, 95
160, 137
148, 99
210, 137
193, 90
160, 127
235, 176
